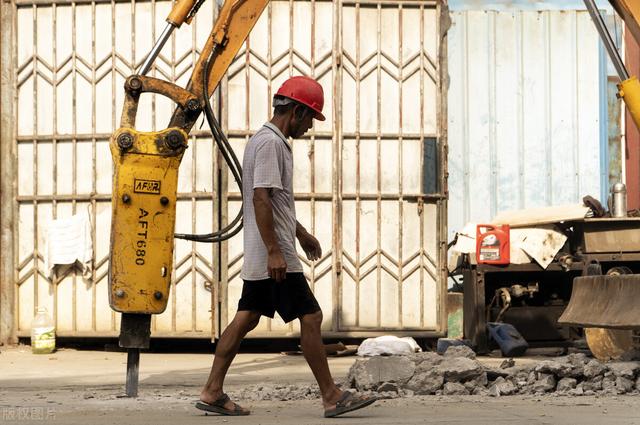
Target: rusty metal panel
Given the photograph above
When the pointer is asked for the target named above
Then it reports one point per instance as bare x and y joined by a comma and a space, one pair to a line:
604, 302
631, 155
7, 173
615, 235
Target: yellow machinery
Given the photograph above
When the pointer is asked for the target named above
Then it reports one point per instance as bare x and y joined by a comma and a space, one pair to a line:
146, 171
146, 174
607, 305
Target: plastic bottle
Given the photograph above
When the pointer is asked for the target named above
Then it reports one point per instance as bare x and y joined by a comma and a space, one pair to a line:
43, 333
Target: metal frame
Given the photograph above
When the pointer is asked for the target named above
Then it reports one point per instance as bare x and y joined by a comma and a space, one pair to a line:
7, 173
475, 303
204, 262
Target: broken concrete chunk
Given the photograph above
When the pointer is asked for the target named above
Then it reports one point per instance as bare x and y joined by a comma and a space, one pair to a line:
518, 370
501, 386
454, 388
424, 361
566, 384
609, 385
578, 359
385, 395
480, 391
368, 373
624, 385
507, 364
493, 373
545, 382
561, 369
458, 373
479, 381
460, 351
388, 386
624, 369
630, 355
460, 369
407, 393
576, 391
427, 382
593, 385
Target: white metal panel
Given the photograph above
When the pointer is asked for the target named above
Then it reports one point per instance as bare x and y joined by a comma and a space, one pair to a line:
72, 61
524, 119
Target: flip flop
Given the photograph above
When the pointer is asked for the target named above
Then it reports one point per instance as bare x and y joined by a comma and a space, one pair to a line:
218, 407
348, 403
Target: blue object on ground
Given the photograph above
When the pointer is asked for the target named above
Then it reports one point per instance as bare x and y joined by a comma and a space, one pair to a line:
511, 343
444, 343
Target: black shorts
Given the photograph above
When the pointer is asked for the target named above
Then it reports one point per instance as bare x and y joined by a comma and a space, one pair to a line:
292, 298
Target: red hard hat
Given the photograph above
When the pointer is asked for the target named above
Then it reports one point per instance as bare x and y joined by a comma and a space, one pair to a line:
304, 90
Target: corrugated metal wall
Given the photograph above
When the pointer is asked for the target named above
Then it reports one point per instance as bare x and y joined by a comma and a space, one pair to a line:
524, 111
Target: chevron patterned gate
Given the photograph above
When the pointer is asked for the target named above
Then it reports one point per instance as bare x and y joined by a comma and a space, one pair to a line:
358, 176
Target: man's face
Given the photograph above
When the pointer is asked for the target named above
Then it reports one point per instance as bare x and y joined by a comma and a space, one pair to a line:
302, 120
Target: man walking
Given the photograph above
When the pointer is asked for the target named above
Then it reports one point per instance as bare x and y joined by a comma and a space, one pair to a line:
272, 274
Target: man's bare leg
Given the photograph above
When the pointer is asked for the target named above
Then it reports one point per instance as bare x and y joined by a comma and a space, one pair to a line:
313, 349
226, 349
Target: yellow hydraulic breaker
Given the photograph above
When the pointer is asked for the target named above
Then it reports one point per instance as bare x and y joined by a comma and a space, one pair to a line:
143, 217
146, 173
145, 183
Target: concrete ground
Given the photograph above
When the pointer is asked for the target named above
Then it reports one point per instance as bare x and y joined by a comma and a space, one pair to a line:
86, 387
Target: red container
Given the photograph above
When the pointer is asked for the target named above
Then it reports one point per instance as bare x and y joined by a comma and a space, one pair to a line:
492, 244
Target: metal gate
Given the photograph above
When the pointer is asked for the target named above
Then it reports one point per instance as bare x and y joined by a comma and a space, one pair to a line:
358, 176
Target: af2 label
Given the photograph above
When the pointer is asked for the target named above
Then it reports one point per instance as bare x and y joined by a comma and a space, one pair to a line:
146, 186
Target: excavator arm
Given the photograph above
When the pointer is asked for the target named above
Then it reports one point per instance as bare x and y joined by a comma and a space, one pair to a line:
629, 11
629, 86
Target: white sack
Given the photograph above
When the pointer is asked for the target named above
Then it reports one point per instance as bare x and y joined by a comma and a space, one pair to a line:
388, 345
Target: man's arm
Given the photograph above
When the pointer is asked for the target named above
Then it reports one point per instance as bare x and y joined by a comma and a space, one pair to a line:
276, 265
308, 242
300, 230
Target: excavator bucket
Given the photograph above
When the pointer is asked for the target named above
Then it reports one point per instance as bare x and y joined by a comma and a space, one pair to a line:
612, 344
604, 302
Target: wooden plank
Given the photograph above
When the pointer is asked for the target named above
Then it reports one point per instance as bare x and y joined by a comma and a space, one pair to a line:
541, 215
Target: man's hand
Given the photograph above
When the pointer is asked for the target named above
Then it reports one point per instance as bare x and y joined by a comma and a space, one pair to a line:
276, 266
310, 245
